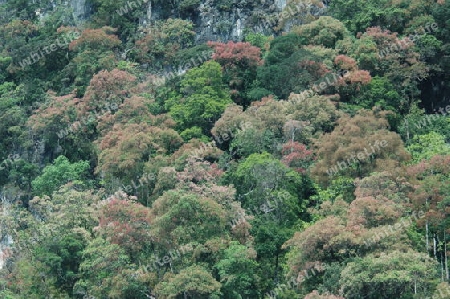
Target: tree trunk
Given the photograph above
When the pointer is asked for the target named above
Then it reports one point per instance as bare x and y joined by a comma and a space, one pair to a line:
442, 268
427, 228
434, 246
276, 270
415, 286
427, 237
407, 129
445, 256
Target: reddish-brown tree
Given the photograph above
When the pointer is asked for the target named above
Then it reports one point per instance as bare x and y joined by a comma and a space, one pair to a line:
125, 222
96, 39
296, 155
357, 146
239, 62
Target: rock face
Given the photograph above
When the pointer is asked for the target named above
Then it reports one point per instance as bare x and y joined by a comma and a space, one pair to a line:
5, 239
223, 20
81, 10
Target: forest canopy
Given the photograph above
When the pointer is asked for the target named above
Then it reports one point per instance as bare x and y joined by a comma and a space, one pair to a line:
307, 160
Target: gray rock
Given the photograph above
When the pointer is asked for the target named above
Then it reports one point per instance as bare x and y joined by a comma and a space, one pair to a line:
81, 10
218, 20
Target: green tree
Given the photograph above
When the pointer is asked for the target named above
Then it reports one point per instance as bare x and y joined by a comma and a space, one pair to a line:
237, 272
379, 92
59, 173
202, 100
92, 52
163, 43
182, 218
387, 275
325, 31
276, 196
119, 14
259, 40
285, 69
428, 145
107, 272
417, 122
63, 257
192, 282
358, 16
50, 237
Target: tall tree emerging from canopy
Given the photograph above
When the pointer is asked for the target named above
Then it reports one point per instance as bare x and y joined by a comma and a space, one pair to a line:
288, 67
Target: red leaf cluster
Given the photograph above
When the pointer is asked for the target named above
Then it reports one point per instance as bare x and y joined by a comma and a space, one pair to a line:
97, 39
297, 155
345, 62
240, 53
125, 223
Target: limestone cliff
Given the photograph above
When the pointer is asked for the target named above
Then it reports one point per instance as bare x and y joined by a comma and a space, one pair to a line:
226, 19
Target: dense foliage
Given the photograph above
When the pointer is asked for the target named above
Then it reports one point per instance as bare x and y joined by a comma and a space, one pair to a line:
137, 162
